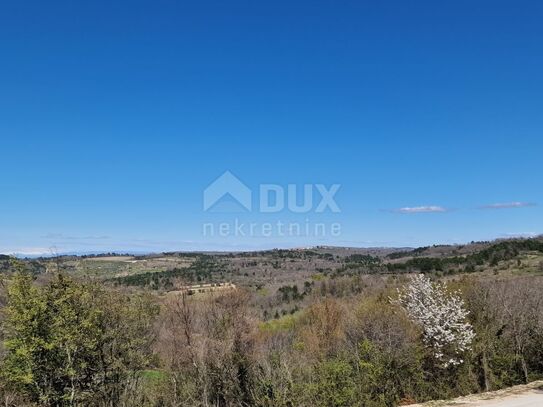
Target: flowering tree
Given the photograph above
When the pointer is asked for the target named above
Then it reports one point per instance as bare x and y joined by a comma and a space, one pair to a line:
442, 317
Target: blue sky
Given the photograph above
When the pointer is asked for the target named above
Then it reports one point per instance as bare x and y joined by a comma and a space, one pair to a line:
115, 116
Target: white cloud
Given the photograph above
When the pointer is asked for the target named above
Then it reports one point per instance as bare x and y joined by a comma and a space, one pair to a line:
507, 205
422, 209
27, 251
61, 236
522, 234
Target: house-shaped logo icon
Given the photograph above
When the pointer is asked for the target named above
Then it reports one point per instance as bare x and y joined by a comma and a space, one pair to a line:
227, 194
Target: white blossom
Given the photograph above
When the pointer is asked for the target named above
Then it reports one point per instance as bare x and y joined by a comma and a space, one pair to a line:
441, 315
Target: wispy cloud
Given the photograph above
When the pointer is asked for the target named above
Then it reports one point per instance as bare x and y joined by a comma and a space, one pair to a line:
61, 236
421, 209
26, 251
507, 205
522, 234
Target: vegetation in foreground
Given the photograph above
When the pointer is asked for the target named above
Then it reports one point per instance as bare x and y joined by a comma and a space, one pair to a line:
362, 340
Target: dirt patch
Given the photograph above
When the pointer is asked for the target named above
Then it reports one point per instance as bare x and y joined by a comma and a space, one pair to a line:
525, 395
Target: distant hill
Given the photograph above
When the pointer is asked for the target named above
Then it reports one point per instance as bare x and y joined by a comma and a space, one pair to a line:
276, 268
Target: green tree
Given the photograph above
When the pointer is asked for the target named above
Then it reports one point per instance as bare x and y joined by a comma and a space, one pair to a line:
66, 345
334, 384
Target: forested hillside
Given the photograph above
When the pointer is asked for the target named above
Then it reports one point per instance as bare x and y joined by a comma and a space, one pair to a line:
313, 327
